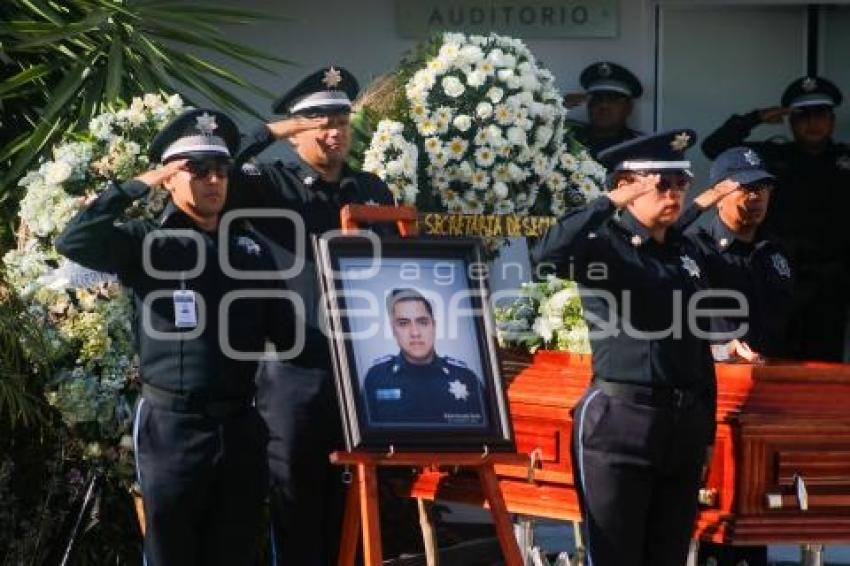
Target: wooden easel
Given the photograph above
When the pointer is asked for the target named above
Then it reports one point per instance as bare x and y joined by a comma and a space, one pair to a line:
361, 506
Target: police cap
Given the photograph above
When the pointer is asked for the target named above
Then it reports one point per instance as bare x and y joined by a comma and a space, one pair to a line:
740, 164
327, 90
811, 91
610, 77
664, 151
197, 133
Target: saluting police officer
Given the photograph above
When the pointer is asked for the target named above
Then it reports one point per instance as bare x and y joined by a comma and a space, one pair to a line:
742, 257
807, 211
200, 444
417, 385
643, 429
610, 91
297, 399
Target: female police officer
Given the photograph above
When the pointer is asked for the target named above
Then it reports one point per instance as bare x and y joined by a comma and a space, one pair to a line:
642, 430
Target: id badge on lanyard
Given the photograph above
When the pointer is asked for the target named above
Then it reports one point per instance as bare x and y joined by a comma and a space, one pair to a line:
185, 309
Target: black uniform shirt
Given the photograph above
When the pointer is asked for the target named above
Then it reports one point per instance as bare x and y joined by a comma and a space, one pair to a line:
444, 392
807, 216
635, 294
191, 361
291, 184
760, 270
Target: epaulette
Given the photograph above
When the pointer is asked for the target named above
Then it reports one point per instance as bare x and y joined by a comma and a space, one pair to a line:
382, 359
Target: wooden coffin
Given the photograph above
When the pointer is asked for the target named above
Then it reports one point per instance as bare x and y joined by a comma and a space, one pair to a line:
781, 426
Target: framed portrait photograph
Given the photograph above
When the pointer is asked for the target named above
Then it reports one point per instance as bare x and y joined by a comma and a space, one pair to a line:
413, 343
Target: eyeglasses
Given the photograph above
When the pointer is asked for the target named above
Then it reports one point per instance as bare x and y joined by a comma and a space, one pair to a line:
673, 183
201, 168
757, 187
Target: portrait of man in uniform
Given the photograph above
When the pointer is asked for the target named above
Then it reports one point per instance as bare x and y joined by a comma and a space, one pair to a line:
413, 345
416, 385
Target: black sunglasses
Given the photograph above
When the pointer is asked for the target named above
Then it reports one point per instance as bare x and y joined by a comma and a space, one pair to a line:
203, 167
757, 187
673, 183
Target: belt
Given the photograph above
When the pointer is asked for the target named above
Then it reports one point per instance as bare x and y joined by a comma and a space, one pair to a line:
217, 408
671, 397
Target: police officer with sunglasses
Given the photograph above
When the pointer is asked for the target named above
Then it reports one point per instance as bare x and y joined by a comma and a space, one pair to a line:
643, 429
744, 258
297, 398
200, 443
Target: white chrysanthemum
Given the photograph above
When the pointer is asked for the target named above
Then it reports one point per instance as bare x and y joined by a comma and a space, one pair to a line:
452, 86
568, 161
479, 179
433, 145
457, 147
502, 173
503, 114
484, 156
471, 54
542, 136
427, 127
556, 181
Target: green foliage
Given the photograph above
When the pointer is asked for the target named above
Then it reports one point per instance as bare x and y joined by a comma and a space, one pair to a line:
66, 60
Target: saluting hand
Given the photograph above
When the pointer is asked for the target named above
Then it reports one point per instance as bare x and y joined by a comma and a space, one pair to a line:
774, 114
573, 99
626, 193
284, 129
715, 194
156, 177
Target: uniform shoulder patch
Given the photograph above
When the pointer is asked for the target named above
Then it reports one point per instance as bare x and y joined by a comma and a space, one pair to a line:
251, 169
456, 362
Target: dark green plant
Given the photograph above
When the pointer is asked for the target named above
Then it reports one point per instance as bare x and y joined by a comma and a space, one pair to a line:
62, 61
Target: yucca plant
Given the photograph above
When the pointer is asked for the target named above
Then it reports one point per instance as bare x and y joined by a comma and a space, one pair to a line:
62, 61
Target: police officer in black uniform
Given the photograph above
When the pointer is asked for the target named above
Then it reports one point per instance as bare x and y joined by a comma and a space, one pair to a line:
643, 429
745, 259
200, 444
416, 385
807, 210
297, 399
610, 91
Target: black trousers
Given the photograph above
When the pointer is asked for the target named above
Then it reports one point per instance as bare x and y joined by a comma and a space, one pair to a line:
637, 469
300, 409
203, 481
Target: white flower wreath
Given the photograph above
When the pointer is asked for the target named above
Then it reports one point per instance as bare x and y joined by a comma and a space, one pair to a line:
87, 315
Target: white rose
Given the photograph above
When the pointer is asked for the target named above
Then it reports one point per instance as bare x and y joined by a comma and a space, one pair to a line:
500, 190
505, 74
462, 122
516, 135
484, 110
471, 54
495, 94
476, 78
496, 57
452, 86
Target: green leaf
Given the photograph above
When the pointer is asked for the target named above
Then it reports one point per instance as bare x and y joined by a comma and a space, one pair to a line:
114, 69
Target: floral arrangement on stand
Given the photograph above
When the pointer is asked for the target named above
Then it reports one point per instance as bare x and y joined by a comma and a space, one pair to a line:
547, 315
474, 125
85, 316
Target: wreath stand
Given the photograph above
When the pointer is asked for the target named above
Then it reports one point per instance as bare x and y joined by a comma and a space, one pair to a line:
361, 506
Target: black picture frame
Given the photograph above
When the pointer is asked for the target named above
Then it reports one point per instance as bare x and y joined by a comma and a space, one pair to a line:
392, 416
